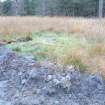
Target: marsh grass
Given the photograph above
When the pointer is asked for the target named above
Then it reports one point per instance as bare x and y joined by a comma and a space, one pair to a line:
64, 49
77, 41
27, 25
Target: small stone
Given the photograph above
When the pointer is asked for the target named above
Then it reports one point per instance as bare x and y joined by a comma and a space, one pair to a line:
56, 81
34, 74
3, 84
56, 102
20, 73
74, 75
70, 67
4, 102
96, 81
70, 95
51, 92
36, 102
65, 83
68, 77
23, 81
38, 91
49, 78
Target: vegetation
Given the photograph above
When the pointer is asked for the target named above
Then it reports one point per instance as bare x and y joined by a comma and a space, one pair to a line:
91, 28
76, 41
86, 8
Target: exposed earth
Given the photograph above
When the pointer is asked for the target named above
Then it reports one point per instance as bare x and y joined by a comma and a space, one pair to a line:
24, 81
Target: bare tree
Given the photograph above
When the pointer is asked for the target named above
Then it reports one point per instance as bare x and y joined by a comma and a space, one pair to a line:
0, 7
100, 8
15, 7
18, 7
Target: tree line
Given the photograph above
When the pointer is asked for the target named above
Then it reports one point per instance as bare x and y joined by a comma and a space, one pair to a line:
86, 8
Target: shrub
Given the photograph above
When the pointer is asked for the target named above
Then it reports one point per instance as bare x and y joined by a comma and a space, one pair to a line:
73, 59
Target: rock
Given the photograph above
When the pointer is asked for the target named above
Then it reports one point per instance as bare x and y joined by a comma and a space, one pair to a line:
20, 73
95, 81
3, 84
3, 53
65, 83
56, 102
74, 75
56, 81
2, 102
25, 82
49, 78
50, 91
2, 43
68, 77
70, 68
34, 74
38, 91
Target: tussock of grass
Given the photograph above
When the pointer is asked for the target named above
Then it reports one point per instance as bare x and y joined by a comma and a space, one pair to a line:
72, 58
98, 49
60, 48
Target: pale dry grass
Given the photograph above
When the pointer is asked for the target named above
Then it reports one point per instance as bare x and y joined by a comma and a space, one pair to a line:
27, 25
91, 30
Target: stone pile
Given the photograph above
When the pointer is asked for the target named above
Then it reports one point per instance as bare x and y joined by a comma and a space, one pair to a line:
24, 81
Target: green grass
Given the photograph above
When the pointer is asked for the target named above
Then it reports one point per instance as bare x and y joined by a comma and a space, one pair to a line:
53, 46
60, 48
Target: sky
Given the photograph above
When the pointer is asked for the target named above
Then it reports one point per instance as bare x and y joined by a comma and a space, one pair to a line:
2, 0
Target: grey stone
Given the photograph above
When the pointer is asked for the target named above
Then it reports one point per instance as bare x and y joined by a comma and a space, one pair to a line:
56, 102
34, 74
49, 78
56, 81
21, 83
65, 83
95, 81
2, 102
24, 81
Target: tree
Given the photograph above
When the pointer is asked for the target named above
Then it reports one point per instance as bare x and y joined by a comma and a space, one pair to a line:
85, 8
6, 7
30, 7
101, 8
42, 7
0, 7
18, 7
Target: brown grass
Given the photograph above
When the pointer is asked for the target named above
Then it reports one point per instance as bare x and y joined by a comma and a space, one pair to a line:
27, 25
91, 29
98, 49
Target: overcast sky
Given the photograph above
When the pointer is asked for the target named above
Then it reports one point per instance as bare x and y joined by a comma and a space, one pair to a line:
2, 0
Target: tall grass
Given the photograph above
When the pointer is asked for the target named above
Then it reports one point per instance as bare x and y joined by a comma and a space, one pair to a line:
82, 42
27, 25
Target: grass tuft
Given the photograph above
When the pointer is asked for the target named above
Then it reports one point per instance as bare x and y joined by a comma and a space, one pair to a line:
98, 49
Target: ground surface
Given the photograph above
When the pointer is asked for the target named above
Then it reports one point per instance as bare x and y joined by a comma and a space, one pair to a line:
86, 53
24, 81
